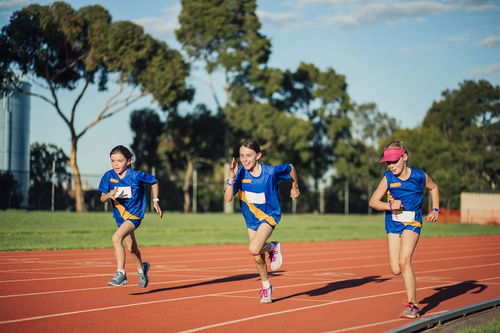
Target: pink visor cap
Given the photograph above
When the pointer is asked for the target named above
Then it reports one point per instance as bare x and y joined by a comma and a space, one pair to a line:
392, 154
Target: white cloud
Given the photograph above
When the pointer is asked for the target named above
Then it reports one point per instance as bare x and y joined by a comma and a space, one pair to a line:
490, 42
12, 4
164, 26
388, 13
282, 20
487, 70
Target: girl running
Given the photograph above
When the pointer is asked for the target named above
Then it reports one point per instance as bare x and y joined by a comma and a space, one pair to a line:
257, 187
404, 187
124, 187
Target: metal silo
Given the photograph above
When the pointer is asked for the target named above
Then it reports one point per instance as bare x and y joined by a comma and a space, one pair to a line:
15, 138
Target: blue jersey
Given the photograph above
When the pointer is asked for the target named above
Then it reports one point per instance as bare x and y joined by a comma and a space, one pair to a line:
130, 202
259, 196
411, 194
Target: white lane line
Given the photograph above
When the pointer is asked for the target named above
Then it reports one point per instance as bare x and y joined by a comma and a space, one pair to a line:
377, 323
214, 278
219, 294
202, 328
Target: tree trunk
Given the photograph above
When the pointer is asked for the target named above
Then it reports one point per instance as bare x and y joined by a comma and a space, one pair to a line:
79, 197
185, 187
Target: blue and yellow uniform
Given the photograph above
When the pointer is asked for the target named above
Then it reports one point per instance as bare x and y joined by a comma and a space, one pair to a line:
259, 196
130, 203
411, 194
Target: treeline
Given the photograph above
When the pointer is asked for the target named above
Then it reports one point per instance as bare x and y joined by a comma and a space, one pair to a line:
303, 116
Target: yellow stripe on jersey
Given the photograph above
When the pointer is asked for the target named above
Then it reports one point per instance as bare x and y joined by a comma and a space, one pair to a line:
124, 214
259, 214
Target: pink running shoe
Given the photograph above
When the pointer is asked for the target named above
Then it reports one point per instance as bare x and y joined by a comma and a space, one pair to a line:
275, 256
411, 310
265, 295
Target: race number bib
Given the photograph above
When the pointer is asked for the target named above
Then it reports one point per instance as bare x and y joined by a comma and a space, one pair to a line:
403, 216
255, 198
124, 192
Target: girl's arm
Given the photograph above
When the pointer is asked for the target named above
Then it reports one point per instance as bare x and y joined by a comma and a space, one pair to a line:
376, 199
434, 192
156, 202
294, 192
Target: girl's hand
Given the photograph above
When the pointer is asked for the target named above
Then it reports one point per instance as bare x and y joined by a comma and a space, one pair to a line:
432, 216
112, 193
294, 192
233, 168
157, 207
396, 205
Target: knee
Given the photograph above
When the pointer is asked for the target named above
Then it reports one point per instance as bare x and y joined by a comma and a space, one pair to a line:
116, 239
403, 265
254, 250
396, 271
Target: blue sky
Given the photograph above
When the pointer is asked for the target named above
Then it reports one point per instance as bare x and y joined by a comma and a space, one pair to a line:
398, 54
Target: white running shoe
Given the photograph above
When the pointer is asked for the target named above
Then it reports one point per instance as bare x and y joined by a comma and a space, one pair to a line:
265, 295
275, 257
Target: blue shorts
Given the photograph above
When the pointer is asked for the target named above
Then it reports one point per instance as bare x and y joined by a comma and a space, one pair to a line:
120, 220
395, 227
255, 225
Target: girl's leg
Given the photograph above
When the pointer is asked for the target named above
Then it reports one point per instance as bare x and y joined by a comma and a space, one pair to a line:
258, 247
123, 231
394, 245
132, 247
409, 240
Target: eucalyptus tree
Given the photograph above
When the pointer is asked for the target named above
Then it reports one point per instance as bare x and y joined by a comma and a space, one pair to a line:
61, 49
321, 98
48, 171
147, 127
224, 36
191, 139
469, 117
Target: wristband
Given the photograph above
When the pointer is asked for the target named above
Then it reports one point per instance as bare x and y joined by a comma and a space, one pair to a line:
156, 199
228, 183
435, 210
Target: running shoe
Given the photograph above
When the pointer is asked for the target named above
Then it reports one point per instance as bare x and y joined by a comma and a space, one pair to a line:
411, 311
119, 279
143, 277
265, 295
275, 256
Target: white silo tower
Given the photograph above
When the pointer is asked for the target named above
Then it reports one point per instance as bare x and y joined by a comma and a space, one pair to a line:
15, 138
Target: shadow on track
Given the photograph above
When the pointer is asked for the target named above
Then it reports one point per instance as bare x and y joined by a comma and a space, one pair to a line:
449, 292
209, 282
333, 286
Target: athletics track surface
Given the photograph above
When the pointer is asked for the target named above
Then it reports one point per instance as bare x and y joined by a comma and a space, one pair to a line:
322, 287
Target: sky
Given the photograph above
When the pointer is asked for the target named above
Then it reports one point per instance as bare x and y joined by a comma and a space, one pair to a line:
400, 55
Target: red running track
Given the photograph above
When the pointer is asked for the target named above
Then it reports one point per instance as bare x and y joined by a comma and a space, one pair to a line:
322, 287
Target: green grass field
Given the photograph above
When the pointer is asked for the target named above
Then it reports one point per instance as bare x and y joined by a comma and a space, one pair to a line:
39, 230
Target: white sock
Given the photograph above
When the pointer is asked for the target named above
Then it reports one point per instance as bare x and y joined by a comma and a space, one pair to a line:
140, 270
266, 284
121, 271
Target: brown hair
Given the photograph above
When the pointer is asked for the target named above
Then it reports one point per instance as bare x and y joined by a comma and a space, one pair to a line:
251, 144
122, 150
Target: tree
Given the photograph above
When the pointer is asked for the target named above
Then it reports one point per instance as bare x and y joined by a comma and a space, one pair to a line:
147, 127
469, 117
194, 138
62, 49
9, 195
48, 165
224, 36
